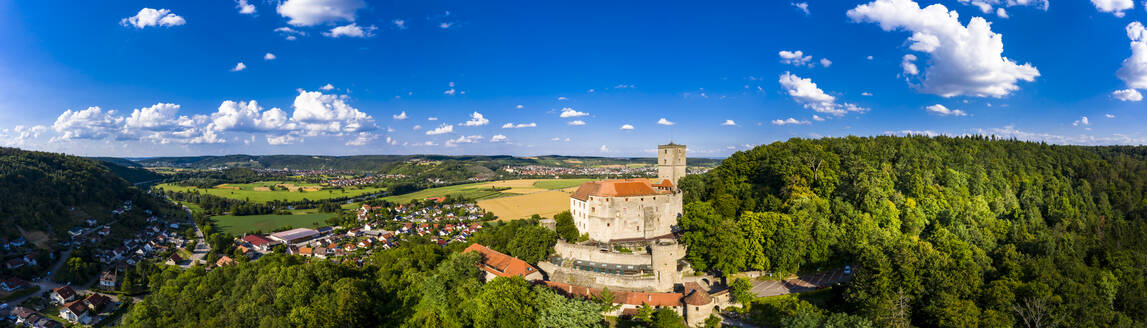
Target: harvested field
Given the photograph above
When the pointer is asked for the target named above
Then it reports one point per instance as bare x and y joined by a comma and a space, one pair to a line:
546, 204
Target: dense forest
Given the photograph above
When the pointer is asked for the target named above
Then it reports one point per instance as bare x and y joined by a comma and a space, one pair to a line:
943, 232
53, 192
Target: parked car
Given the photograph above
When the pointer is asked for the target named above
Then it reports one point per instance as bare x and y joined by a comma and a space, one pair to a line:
848, 269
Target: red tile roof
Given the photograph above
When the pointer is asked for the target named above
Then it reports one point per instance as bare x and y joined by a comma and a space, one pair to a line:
77, 307
499, 264
256, 240
623, 297
615, 188
66, 292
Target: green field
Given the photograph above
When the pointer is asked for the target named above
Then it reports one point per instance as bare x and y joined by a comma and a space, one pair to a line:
560, 183
247, 191
482, 190
237, 225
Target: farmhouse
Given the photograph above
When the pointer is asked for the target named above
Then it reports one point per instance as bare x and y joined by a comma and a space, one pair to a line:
294, 235
497, 264
258, 242
63, 295
76, 311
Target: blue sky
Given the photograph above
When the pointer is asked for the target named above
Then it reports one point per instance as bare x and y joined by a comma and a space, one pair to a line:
607, 78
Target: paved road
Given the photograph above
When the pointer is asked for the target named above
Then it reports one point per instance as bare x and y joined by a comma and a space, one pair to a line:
799, 284
201, 246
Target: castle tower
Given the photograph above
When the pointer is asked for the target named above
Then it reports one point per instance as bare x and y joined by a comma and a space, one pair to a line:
671, 163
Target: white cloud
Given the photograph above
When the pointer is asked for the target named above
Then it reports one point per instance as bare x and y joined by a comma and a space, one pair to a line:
327, 87
285, 139
816, 118
729, 123
803, 6
562, 98
498, 138
248, 116
570, 112
462, 140
627, 127
866, 94
449, 92
1002, 13
666, 122
445, 25
391, 142
362, 139
157, 117
1082, 121
245, 7
351, 30
289, 33
399, 24
870, 58
1115, 7
1131, 95
1109, 115
239, 67
317, 12
790, 121
91, 123
1134, 69
965, 60
909, 65
825, 62
401, 116
441, 129
797, 57
323, 113
153, 17
519, 106
987, 5
939, 109
577, 123
269, 56
603, 149
432, 118
476, 119
419, 127
805, 92
519, 125
1010, 131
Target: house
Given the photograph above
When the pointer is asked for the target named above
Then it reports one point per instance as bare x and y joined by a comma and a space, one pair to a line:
320, 252
106, 230
108, 279
174, 260
306, 251
97, 303
259, 242
92, 222
63, 295
17, 242
76, 311
224, 261
30, 259
76, 231
14, 263
497, 264
13, 284
22, 314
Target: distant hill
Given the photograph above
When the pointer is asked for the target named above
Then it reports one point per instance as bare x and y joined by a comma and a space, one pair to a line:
41, 189
383, 162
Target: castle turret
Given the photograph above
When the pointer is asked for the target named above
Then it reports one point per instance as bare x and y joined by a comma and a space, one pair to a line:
671, 163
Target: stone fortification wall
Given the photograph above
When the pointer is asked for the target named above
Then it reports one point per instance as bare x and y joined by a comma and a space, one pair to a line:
647, 283
593, 253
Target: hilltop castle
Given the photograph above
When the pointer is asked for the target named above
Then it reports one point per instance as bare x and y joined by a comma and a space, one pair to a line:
631, 247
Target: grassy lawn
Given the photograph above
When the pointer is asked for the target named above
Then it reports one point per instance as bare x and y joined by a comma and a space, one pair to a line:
248, 191
469, 190
237, 225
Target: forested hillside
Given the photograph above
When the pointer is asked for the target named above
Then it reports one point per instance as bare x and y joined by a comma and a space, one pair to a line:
944, 232
39, 191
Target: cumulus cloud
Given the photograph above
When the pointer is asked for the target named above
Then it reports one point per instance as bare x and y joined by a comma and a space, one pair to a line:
351, 30
1109, 116
416, 127
797, 58
441, 129
666, 122
245, 7
1134, 69
289, 33
153, 17
498, 138
317, 12
1081, 121
577, 123
401, 116
807, 93
462, 140
604, 149
790, 121
1115, 7
1131, 95
803, 6
909, 65
987, 5
825, 62
729, 123
627, 127
450, 91
432, 118
476, 119
327, 87
324, 113
519, 106
158, 116
269, 56
286, 139
941, 110
399, 24
965, 60
248, 116
239, 67
362, 139
570, 112
91, 123
519, 125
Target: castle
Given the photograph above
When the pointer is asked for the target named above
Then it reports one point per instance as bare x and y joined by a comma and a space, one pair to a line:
631, 247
